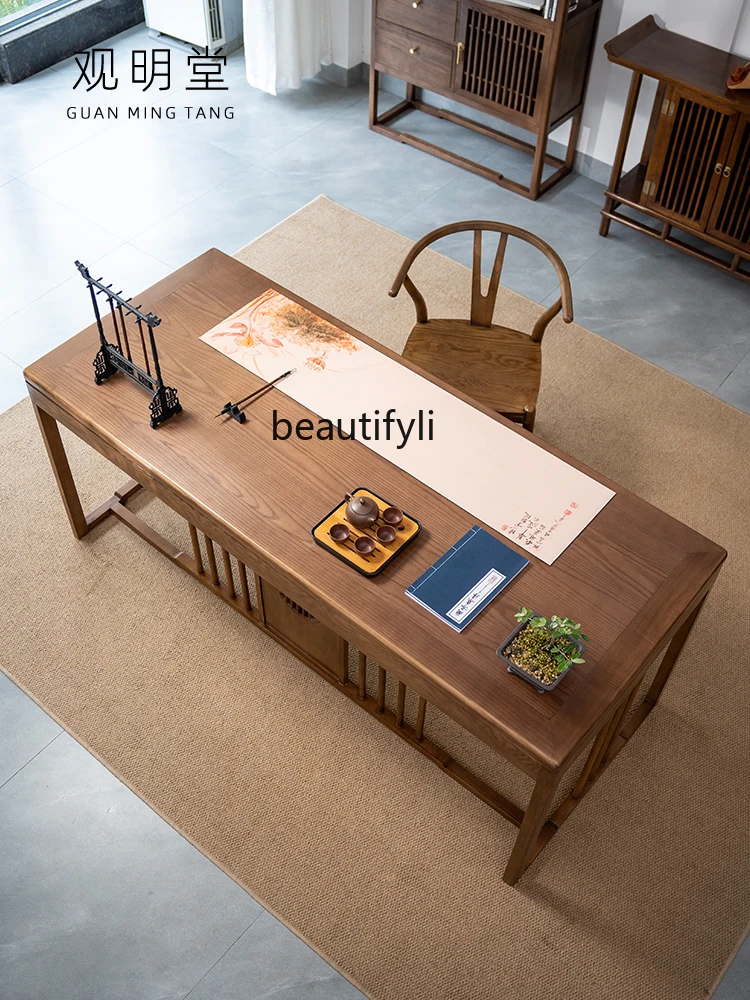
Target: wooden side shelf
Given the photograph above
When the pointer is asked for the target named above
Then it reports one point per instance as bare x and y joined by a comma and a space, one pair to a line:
694, 172
524, 69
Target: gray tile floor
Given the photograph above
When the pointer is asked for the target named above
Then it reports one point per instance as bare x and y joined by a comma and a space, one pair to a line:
99, 898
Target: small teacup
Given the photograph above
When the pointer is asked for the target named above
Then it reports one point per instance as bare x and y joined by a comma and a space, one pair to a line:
364, 545
386, 533
392, 515
340, 532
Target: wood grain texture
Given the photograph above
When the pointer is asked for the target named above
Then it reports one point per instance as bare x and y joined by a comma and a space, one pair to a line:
436, 18
425, 61
666, 55
501, 368
498, 366
633, 577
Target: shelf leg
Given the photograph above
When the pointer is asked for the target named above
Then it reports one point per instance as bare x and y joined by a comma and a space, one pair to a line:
622, 148
374, 84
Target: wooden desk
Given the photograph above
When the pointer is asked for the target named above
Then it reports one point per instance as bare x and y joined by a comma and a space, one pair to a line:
636, 578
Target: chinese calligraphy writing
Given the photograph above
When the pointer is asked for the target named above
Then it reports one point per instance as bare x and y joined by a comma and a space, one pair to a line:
530, 531
160, 67
208, 68
98, 68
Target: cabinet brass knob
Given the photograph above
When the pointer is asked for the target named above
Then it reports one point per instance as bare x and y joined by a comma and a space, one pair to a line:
718, 168
417, 3
459, 52
413, 51
727, 171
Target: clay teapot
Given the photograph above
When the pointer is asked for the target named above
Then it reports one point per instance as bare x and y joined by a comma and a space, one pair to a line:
361, 511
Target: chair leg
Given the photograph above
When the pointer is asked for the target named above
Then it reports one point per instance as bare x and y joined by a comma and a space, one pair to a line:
529, 416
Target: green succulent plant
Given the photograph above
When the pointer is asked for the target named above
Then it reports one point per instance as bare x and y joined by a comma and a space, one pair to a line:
560, 635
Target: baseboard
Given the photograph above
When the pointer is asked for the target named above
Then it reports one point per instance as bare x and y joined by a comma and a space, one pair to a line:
343, 77
585, 164
30, 48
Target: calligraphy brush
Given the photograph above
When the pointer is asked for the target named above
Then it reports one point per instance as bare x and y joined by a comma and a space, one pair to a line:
255, 394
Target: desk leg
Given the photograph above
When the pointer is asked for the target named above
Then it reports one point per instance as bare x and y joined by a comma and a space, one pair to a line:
534, 818
59, 462
662, 675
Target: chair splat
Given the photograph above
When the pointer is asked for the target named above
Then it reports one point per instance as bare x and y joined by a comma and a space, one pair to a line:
483, 306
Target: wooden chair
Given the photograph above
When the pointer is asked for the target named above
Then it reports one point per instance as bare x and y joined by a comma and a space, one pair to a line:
495, 365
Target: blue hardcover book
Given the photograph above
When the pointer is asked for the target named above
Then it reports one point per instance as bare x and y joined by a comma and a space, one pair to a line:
464, 581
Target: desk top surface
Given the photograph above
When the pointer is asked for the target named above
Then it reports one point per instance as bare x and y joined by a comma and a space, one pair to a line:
630, 577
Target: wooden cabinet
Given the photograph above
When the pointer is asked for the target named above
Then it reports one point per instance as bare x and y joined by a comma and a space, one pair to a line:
688, 158
503, 60
730, 214
436, 20
425, 60
694, 172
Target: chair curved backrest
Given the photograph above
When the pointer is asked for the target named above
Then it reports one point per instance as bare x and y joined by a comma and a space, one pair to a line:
483, 306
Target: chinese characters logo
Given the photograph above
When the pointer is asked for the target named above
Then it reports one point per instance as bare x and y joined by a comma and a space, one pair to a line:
149, 66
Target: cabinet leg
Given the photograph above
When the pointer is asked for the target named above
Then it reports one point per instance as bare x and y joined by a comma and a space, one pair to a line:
537, 171
622, 147
575, 131
374, 84
59, 462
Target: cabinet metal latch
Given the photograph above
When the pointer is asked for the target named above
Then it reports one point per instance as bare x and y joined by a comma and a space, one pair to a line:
460, 52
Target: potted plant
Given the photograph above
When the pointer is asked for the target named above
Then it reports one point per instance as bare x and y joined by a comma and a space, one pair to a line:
542, 650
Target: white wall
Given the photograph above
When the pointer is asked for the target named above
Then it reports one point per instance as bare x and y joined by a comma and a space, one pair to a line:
347, 32
742, 38
723, 23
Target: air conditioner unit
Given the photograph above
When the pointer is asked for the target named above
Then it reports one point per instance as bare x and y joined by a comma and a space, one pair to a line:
205, 24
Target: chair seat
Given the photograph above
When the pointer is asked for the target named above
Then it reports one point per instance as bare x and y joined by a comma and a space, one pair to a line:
495, 365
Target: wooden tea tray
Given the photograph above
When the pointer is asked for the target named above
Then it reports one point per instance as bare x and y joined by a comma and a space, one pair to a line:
384, 553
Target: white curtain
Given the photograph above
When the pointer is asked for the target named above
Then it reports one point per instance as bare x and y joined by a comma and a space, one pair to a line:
285, 41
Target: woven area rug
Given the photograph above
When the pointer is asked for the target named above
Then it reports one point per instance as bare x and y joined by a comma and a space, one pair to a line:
380, 861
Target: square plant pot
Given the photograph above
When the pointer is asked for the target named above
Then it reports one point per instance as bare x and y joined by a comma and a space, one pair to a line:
520, 672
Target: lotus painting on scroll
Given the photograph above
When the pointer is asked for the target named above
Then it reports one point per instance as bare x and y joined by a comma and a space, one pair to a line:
273, 330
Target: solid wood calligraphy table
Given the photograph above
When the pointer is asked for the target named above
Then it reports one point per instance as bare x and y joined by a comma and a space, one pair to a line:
635, 577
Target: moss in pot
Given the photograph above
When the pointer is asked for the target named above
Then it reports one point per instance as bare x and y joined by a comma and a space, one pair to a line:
542, 650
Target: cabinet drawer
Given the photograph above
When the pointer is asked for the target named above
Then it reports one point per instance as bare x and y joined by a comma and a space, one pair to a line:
436, 18
412, 56
303, 634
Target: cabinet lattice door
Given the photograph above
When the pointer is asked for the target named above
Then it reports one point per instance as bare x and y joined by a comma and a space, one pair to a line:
686, 165
501, 61
730, 218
